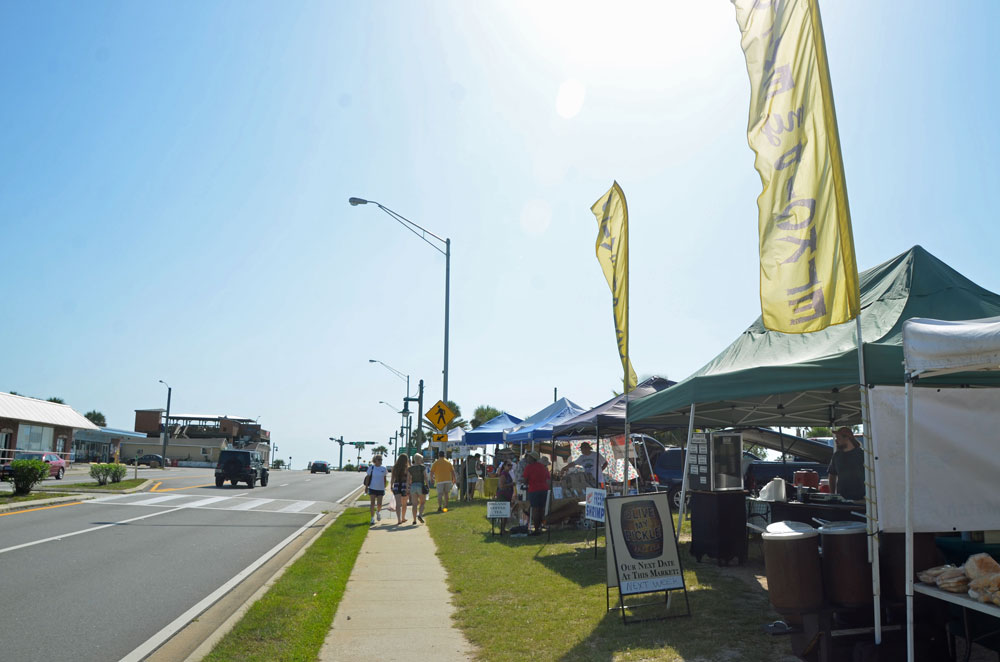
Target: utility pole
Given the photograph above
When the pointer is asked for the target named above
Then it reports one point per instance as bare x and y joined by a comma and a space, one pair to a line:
420, 416
166, 428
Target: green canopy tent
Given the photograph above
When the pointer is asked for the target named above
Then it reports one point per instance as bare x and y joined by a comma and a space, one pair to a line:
767, 378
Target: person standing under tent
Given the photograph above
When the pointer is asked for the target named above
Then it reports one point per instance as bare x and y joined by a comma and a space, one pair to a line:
537, 477
399, 482
444, 478
593, 463
505, 489
847, 467
376, 487
471, 463
417, 486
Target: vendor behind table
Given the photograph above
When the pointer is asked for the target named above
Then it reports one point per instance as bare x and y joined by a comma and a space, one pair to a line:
847, 467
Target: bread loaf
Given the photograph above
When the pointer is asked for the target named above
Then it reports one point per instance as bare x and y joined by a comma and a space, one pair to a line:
989, 583
930, 574
978, 565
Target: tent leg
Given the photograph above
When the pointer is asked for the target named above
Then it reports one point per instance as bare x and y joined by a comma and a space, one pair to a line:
687, 469
907, 497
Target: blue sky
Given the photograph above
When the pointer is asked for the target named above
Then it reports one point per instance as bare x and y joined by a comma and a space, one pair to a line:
174, 181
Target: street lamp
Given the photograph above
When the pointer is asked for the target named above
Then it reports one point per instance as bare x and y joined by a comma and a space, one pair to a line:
166, 428
423, 234
399, 374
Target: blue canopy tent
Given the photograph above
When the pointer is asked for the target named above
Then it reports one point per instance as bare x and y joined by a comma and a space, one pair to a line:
538, 427
492, 431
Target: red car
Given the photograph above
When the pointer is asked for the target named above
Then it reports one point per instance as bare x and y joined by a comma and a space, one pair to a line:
57, 465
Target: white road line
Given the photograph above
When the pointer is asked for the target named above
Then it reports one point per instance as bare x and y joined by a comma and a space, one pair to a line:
284, 485
296, 507
157, 639
350, 494
159, 499
251, 503
95, 528
110, 498
204, 502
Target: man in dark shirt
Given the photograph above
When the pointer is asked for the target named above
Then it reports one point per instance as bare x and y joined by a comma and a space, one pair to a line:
847, 467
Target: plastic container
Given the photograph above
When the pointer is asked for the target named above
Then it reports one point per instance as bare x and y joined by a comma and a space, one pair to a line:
806, 478
847, 575
792, 564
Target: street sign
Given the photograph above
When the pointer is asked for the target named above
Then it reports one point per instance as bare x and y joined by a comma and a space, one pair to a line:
439, 438
440, 416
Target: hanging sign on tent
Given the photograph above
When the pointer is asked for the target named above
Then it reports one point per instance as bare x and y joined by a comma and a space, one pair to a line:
440, 415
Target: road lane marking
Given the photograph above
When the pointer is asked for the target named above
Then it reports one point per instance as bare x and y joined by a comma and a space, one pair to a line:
94, 528
296, 507
284, 485
156, 488
204, 502
170, 630
251, 503
159, 499
350, 494
114, 497
31, 510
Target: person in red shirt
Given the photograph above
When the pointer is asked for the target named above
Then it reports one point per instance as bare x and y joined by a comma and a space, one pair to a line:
536, 475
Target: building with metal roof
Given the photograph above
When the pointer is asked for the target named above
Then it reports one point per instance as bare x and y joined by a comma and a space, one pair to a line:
30, 424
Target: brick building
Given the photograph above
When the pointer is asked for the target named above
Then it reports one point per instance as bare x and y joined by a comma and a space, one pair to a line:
197, 437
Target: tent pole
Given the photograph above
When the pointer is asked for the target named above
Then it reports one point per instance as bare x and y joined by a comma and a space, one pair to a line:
908, 567
597, 482
628, 437
871, 494
687, 470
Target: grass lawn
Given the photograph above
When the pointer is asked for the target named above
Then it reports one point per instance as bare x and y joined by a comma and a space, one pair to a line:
111, 487
291, 621
34, 496
529, 599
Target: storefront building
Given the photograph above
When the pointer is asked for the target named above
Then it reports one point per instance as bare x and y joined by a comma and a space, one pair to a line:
29, 424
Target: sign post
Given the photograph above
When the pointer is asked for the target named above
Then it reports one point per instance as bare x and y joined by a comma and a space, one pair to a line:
640, 533
594, 510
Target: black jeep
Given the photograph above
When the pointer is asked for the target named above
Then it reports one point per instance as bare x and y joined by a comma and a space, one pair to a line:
240, 467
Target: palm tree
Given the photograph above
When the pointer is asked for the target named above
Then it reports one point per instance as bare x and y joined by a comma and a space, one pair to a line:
97, 418
380, 450
484, 413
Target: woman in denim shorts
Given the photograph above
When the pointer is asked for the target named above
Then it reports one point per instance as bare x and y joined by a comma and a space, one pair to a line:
399, 479
418, 487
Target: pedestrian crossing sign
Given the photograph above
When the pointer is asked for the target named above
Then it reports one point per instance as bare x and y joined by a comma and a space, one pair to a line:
440, 416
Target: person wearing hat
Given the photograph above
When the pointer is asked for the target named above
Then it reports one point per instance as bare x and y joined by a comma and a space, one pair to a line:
537, 476
847, 467
592, 463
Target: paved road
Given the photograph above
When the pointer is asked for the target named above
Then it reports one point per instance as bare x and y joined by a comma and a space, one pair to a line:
98, 579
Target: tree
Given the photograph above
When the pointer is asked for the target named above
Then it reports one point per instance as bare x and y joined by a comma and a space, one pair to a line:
458, 421
380, 450
58, 401
482, 414
96, 417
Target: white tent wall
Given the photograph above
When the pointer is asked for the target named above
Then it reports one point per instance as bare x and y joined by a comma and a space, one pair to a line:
955, 458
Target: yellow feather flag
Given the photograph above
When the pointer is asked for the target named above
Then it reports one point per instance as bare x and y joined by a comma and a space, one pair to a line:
808, 272
612, 252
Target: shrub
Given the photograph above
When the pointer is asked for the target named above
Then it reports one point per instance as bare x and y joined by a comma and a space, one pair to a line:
100, 472
117, 472
27, 473
349, 467
105, 473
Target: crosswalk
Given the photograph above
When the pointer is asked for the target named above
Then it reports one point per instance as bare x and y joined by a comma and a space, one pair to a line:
234, 502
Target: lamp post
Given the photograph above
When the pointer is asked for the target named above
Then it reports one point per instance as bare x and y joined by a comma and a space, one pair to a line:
166, 428
423, 234
340, 441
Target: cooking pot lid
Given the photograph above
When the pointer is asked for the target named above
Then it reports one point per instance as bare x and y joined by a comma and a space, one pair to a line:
788, 530
842, 528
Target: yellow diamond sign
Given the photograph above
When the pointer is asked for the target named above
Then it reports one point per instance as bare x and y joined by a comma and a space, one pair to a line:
440, 416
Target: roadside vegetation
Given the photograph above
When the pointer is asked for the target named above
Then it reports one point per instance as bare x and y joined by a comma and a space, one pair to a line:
291, 621
555, 593
109, 487
6, 499
25, 474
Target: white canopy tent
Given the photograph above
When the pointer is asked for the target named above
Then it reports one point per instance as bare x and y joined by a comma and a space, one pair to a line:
963, 421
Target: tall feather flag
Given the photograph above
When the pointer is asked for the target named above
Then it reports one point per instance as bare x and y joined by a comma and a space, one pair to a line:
808, 272
612, 252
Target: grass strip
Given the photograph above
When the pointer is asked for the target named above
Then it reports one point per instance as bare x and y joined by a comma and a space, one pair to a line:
30, 497
110, 487
291, 621
552, 594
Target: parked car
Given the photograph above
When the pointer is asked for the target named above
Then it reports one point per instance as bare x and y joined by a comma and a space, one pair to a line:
363, 467
240, 466
319, 465
148, 459
57, 465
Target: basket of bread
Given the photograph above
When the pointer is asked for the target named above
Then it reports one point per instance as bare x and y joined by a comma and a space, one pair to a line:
979, 576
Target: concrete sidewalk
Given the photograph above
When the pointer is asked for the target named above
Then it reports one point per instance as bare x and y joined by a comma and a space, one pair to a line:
396, 606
